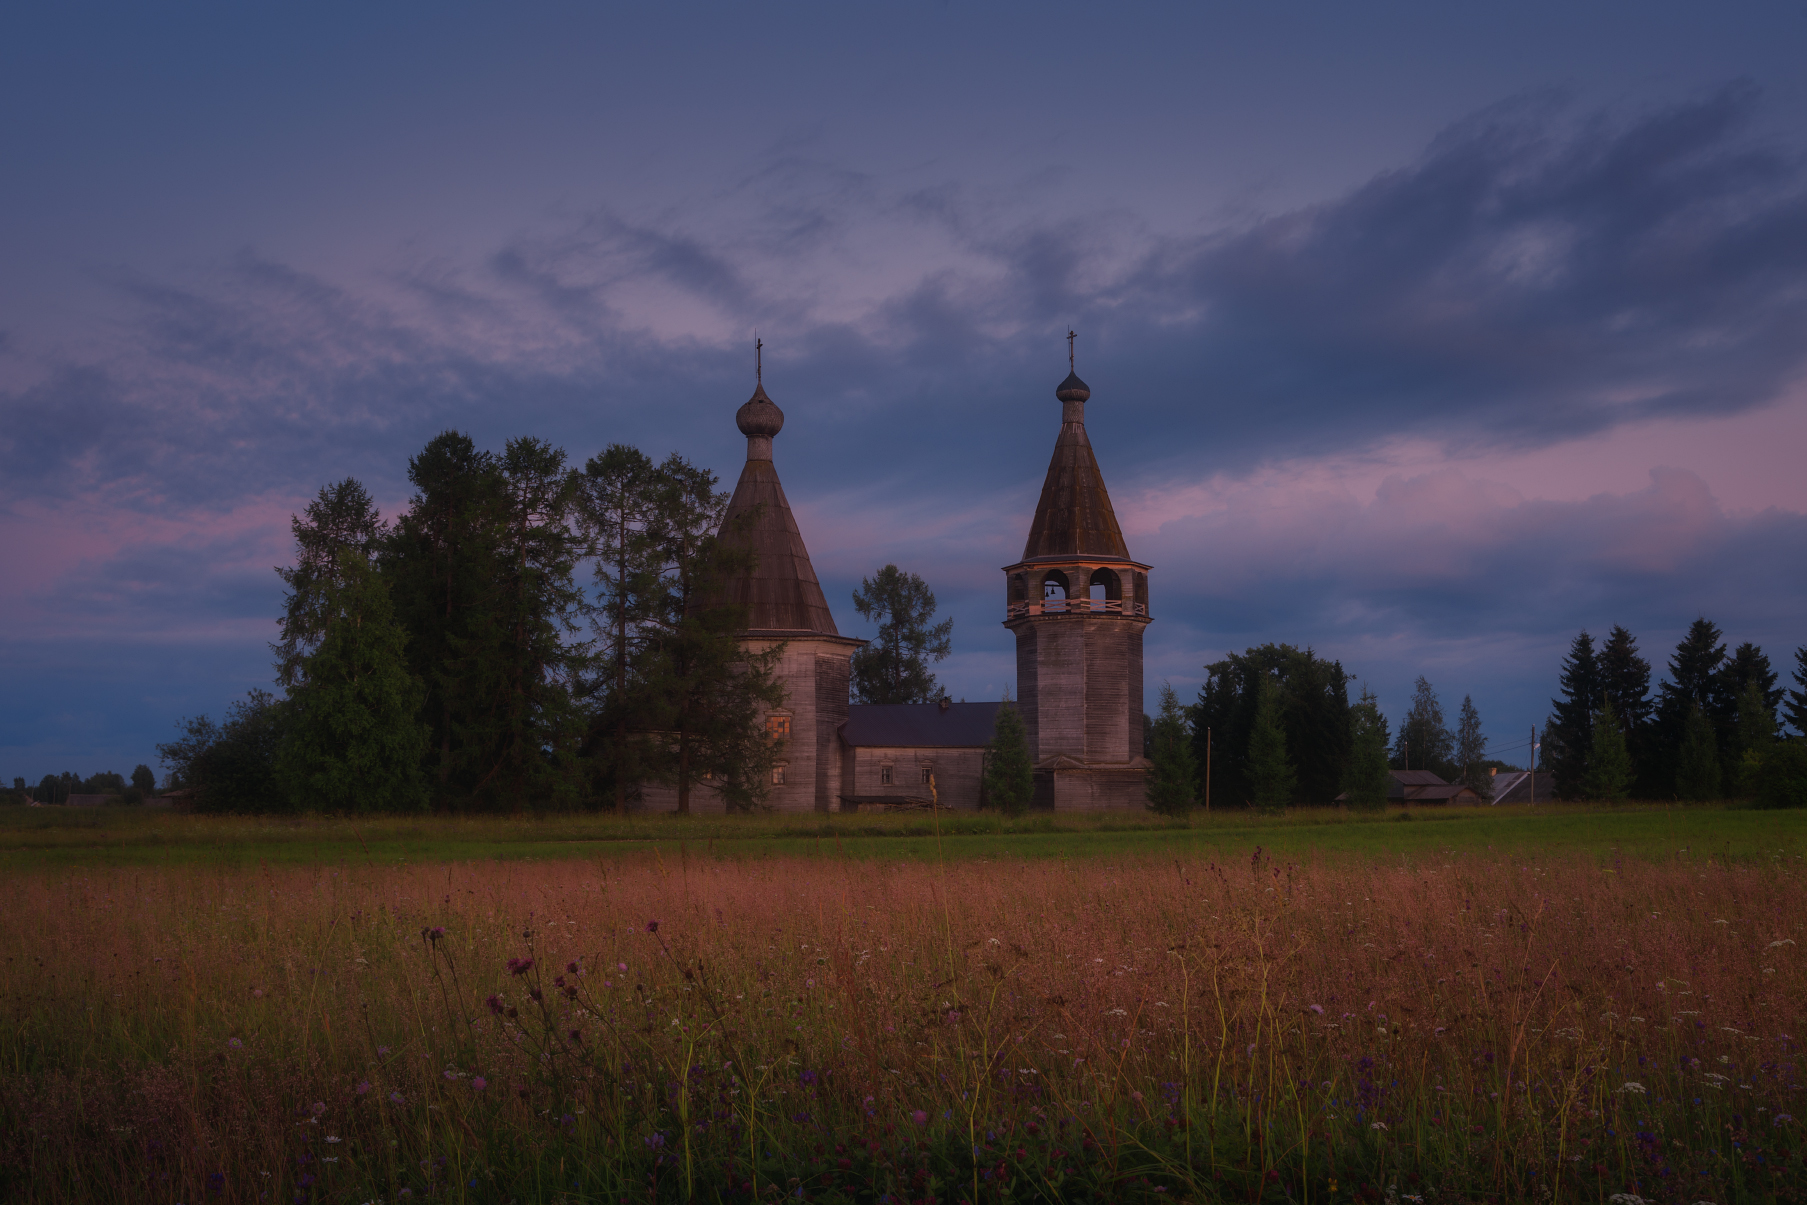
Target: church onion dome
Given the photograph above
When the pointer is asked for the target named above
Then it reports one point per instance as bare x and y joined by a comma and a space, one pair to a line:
1073, 389
760, 415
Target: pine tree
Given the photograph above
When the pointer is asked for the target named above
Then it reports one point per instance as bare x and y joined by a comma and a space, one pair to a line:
1173, 777
895, 667
1797, 699
1608, 765
1009, 774
1697, 774
1694, 680
1271, 774
1368, 777
1571, 730
1424, 741
1625, 679
355, 742
1471, 750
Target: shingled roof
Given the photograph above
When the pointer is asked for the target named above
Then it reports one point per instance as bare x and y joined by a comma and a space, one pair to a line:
781, 594
1074, 516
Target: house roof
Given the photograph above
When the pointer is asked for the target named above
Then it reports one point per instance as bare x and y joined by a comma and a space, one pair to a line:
1074, 516
920, 725
1418, 778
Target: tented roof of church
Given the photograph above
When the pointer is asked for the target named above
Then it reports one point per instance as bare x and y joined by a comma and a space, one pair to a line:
1074, 516
782, 593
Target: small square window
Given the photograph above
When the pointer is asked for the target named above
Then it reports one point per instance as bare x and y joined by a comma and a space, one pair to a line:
927, 773
884, 776
777, 776
778, 727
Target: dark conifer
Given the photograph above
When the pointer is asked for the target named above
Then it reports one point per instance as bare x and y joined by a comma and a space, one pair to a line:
1471, 750
355, 741
1173, 776
1609, 765
1368, 778
342, 518
1697, 772
1271, 774
1570, 733
1797, 699
1009, 773
1314, 716
1694, 680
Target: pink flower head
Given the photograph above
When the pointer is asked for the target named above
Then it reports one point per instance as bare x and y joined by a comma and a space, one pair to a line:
652, 926
363, 1087
495, 1005
571, 967
919, 1117
319, 1107
395, 1098
622, 967
519, 966
479, 1083
1316, 1008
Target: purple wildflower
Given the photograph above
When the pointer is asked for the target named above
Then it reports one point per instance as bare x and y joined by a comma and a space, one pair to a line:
652, 926
395, 1098
519, 966
479, 1083
919, 1117
363, 1087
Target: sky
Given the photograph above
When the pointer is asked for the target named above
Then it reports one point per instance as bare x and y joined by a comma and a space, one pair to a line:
1424, 335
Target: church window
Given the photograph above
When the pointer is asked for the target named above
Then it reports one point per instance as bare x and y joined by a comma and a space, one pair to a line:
928, 772
778, 727
778, 776
884, 776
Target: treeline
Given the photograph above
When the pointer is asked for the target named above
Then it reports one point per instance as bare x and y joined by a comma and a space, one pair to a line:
1713, 730
527, 634
1273, 727
57, 788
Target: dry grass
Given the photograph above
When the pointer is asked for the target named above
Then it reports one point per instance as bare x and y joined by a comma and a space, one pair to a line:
1450, 1028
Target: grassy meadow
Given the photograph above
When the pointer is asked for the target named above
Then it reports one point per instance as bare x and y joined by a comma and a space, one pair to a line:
1574, 1005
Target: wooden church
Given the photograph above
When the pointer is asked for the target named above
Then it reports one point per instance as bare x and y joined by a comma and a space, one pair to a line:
1076, 602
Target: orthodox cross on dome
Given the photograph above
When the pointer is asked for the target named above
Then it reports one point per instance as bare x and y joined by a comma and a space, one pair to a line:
1070, 337
758, 365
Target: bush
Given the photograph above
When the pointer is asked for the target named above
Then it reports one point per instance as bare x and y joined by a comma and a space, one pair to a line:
1779, 779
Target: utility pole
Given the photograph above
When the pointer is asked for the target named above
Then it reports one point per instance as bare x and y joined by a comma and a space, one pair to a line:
1532, 776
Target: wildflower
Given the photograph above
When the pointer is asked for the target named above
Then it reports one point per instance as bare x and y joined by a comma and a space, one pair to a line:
332, 1138
919, 1117
1634, 1087
363, 1087
451, 1075
495, 1005
652, 926
319, 1107
395, 1098
235, 1043
1379, 1125
519, 966
479, 1083
1316, 1008
622, 967
382, 1050
571, 967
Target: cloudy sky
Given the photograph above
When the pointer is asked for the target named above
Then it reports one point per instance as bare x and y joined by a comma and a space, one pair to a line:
1422, 334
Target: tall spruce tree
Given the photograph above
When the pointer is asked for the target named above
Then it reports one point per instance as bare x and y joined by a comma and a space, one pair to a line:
1173, 776
1797, 699
1424, 741
1471, 750
1009, 773
1270, 772
1570, 733
622, 513
1625, 679
1694, 681
1755, 732
355, 742
342, 518
1697, 771
1314, 716
895, 667
1609, 764
1368, 778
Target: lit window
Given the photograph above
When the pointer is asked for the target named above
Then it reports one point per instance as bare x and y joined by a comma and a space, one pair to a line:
777, 776
884, 776
778, 727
